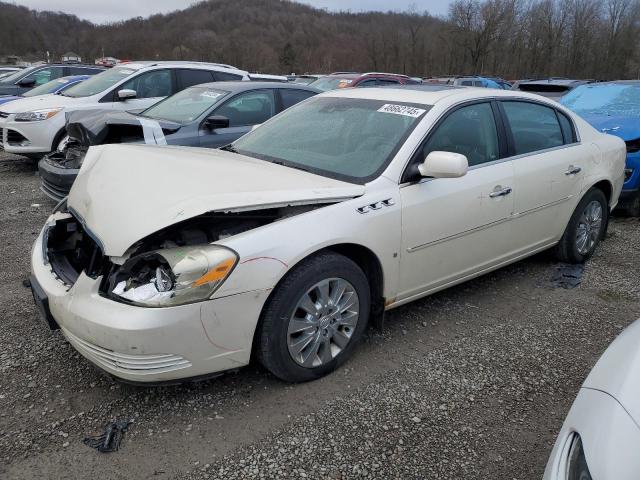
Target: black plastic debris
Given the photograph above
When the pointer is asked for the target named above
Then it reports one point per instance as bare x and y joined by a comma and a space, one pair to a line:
567, 275
110, 440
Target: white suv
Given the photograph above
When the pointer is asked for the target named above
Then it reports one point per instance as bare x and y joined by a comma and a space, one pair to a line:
36, 126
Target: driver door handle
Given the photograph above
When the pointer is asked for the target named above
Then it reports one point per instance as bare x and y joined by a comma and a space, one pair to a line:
572, 170
500, 191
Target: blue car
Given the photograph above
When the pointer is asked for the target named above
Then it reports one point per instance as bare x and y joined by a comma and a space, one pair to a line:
54, 86
614, 108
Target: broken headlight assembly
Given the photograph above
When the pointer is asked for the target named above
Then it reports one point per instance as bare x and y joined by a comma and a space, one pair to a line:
37, 115
173, 276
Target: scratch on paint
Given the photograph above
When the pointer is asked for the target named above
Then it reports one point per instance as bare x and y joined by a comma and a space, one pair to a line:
264, 258
209, 338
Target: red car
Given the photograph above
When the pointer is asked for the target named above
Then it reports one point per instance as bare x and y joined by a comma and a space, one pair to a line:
372, 79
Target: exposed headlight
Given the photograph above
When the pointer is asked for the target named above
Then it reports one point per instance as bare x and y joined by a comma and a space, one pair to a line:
36, 115
173, 276
577, 468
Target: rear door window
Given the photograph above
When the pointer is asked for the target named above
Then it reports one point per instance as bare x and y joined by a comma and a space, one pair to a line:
84, 70
567, 128
368, 83
534, 127
190, 77
226, 77
290, 96
45, 75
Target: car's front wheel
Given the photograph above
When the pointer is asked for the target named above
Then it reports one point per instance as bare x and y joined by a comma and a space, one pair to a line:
585, 229
315, 318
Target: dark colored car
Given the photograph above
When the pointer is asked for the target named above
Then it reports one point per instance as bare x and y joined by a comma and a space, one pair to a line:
24, 80
554, 88
344, 80
209, 115
54, 86
614, 108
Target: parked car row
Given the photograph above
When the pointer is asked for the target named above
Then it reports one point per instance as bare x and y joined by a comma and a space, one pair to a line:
318, 206
36, 126
208, 115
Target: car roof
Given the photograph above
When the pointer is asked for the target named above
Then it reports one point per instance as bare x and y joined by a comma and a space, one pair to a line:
426, 87
615, 82
178, 63
240, 86
554, 81
430, 96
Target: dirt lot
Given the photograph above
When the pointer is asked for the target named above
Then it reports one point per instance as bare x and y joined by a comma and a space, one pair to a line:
470, 383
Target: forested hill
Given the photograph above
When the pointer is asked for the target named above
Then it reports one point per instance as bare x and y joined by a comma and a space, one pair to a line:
512, 38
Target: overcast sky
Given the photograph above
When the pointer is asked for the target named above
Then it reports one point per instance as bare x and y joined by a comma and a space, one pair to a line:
101, 11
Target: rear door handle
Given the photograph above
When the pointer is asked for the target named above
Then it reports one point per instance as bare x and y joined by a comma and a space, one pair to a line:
500, 191
572, 170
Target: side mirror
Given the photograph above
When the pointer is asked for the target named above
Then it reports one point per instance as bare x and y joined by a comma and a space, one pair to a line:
27, 82
444, 165
127, 93
216, 121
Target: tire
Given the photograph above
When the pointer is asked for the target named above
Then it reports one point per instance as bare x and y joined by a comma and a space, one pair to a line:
332, 335
573, 247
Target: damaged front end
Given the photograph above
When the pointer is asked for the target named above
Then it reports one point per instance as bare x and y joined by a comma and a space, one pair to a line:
86, 128
178, 265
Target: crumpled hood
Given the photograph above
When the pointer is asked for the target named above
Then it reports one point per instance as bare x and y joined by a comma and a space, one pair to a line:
618, 371
39, 102
91, 127
623, 126
125, 192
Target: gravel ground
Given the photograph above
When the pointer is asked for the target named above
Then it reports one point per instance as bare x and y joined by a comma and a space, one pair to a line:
471, 383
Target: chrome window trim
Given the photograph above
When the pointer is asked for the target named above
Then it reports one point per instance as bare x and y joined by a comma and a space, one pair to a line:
500, 160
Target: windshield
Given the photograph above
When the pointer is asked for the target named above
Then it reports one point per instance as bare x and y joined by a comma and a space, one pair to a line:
351, 139
14, 77
331, 83
49, 87
611, 99
185, 106
100, 82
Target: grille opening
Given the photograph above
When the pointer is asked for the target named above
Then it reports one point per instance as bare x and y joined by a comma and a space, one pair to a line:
16, 138
70, 251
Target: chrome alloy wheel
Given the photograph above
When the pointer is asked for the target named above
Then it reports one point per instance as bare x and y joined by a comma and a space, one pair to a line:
323, 322
589, 227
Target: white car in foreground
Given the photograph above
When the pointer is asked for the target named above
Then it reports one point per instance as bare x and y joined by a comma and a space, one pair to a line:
36, 126
168, 263
600, 437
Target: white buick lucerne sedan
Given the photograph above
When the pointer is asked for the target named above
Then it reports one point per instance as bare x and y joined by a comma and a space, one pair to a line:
170, 263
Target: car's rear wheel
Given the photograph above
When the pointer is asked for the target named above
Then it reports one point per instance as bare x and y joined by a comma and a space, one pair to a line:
585, 229
315, 318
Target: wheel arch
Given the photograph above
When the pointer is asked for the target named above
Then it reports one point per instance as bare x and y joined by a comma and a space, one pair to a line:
59, 136
362, 256
605, 186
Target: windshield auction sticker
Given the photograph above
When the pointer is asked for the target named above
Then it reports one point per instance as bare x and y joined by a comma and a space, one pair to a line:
401, 110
